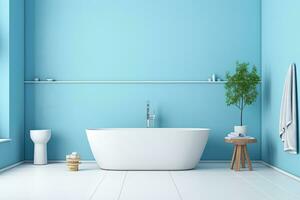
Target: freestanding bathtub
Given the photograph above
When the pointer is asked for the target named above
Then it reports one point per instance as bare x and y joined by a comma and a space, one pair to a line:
147, 148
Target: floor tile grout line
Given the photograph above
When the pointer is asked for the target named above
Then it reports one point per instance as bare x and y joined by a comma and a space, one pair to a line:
254, 187
269, 181
123, 183
276, 185
296, 178
98, 185
176, 187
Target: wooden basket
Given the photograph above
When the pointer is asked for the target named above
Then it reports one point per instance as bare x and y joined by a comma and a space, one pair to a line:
73, 164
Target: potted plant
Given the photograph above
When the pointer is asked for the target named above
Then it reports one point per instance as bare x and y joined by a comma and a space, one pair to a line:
241, 90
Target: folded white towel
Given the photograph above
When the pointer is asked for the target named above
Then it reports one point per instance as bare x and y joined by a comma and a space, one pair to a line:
234, 134
288, 112
246, 137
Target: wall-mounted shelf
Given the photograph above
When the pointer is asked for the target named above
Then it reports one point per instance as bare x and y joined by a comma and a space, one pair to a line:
4, 140
127, 82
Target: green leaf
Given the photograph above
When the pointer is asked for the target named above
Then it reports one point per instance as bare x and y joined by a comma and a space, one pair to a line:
241, 87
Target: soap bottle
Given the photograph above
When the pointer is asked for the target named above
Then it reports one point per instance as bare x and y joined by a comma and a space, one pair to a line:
213, 77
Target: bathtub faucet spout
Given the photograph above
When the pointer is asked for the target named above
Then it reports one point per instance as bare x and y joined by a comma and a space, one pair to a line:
150, 117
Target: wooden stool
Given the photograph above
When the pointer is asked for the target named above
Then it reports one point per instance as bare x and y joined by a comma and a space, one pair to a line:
240, 152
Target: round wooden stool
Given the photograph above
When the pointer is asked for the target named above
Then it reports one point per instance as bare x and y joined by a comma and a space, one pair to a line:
240, 152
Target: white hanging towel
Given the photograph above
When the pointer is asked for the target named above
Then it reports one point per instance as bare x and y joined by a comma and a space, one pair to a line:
288, 112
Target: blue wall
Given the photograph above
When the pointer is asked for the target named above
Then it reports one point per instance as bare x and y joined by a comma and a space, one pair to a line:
136, 40
4, 68
280, 47
13, 151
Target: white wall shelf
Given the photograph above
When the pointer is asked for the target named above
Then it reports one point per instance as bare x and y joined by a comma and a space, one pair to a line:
4, 140
127, 82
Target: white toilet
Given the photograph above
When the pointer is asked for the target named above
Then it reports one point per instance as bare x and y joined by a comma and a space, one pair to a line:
40, 139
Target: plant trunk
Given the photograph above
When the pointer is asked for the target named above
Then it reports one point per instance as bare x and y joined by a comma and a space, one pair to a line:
242, 109
241, 117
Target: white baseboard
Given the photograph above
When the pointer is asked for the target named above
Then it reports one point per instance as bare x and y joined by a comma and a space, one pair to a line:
62, 161
214, 161
93, 161
11, 166
202, 161
224, 161
297, 178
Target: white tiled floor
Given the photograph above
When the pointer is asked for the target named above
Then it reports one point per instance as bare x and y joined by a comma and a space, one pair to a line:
210, 181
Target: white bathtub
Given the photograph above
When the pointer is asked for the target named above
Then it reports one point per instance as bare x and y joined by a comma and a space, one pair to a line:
147, 148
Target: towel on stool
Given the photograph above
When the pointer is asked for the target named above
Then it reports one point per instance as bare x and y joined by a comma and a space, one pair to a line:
234, 134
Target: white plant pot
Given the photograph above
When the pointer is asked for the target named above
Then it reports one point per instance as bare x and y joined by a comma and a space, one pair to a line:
240, 129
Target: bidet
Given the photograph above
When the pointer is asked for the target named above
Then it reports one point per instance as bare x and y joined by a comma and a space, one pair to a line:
40, 139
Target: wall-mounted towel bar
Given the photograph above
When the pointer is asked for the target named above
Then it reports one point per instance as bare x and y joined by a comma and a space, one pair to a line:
127, 82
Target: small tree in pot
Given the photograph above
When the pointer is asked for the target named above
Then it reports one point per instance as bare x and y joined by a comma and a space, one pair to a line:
241, 90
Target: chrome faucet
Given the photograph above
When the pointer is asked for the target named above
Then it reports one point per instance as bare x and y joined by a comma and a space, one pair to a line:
150, 117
